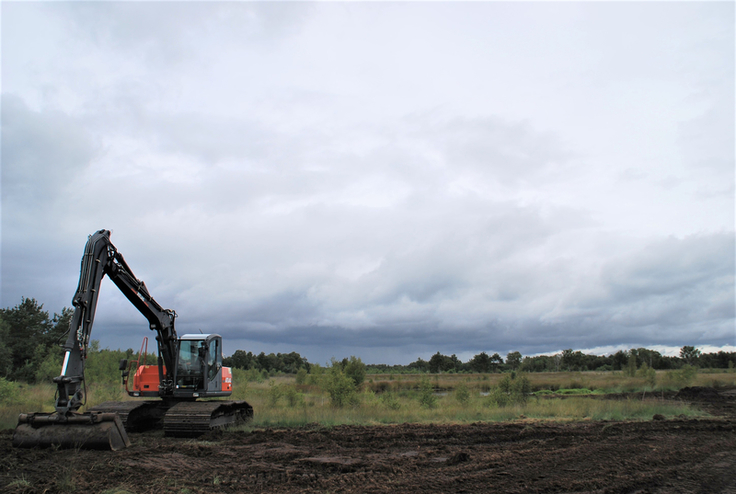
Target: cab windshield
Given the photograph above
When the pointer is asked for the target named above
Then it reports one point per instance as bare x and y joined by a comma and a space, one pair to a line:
190, 369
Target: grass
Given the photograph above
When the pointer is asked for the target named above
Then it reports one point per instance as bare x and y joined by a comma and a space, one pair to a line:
402, 404
40, 398
601, 382
391, 400
20, 483
117, 490
449, 411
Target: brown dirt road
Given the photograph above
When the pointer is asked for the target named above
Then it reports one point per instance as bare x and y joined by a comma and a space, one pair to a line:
658, 456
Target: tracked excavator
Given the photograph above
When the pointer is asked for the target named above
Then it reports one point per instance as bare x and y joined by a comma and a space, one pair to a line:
189, 369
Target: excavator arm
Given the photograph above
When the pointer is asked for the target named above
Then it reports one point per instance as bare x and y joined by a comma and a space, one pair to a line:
102, 258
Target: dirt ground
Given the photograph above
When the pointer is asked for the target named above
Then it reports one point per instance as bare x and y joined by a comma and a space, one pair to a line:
657, 456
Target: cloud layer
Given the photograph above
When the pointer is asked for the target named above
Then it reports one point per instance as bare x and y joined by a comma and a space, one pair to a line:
380, 180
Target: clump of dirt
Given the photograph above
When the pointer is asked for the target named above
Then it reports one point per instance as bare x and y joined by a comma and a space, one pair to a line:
658, 456
698, 393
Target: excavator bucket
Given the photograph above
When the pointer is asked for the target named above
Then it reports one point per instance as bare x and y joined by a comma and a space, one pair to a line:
77, 430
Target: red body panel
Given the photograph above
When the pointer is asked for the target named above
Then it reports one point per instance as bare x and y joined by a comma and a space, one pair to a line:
227, 379
146, 378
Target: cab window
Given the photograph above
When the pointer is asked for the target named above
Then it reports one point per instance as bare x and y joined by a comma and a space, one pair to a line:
212, 358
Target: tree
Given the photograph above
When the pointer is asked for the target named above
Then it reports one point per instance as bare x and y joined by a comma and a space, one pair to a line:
573, 360
443, 363
355, 370
6, 355
619, 359
419, 365
28, 327
513, 360
481, 363
240, 360
631, 365
651, 357
29, 335
689, 354
435, 363
496, 362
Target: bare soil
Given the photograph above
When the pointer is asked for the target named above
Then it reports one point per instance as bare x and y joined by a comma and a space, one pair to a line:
656, 456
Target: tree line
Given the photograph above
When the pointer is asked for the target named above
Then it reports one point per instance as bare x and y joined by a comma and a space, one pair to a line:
567, 360
30, 351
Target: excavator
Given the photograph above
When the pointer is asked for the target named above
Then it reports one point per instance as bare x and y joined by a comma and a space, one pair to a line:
189, 369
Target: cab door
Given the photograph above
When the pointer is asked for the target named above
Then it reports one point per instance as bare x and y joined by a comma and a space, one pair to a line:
214, 364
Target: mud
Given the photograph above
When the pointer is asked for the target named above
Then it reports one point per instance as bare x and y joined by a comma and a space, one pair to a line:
657, 456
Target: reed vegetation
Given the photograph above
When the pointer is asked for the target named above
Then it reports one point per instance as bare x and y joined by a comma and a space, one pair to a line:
325, 397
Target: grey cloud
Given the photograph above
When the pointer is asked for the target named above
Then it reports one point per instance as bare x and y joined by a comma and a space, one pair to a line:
508, 152
43, 156
42, 152
708, 142
673, 265
672, 287
165, 33
291, 199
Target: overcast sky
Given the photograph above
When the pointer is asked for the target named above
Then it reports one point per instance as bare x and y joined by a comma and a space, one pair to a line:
385, 180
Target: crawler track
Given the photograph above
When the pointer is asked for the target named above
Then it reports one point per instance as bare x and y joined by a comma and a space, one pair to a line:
184, 419
192, 419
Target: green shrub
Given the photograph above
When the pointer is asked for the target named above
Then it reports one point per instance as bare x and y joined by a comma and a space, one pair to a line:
355, 370
48, 368
512, 388
649, 374
682, 377
462, 395
275, 392
505, 383
293, 397
253, 375
340, 387
8, 390
522, 385
497, 397
427, 398
390, 401
301, 376
316, 373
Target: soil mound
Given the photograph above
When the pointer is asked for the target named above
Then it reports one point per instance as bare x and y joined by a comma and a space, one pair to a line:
698, 393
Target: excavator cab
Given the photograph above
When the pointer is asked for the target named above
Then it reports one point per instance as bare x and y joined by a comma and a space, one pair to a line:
199, 371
